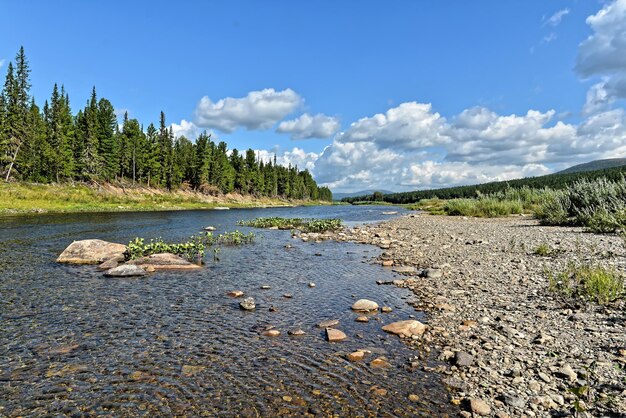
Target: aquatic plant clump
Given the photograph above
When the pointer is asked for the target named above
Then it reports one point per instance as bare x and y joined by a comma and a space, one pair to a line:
192, 249
305, 225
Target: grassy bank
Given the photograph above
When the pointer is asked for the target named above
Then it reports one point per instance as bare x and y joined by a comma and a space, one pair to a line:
16, 198
599, 205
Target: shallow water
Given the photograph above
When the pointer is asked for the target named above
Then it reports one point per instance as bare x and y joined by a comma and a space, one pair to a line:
75, 343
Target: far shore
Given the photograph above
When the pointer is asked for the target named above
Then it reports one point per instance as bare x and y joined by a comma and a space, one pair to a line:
30, 198
508, 346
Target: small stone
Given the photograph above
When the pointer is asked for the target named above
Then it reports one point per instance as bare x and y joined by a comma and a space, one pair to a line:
406, 328
364, 305
335, 335
287, 398
386, 309
287, 295
210, 228
272, 333
311, 284
329, 323
544, 377
387, 263
362, 318
265, 287
125, 270
273, 309
479, 407
356, 356
433, 273
568, 372
296, 332
235, 293
380, 363
413, 397
463, 359
378, 391
514, 401
247, 304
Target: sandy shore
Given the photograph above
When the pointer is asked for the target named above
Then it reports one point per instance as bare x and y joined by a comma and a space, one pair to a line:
509, 346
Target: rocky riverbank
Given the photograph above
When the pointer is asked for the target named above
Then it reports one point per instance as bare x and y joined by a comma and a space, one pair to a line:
508, 346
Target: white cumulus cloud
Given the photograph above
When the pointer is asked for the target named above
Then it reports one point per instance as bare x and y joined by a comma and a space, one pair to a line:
307, 126
409, 126
257, 110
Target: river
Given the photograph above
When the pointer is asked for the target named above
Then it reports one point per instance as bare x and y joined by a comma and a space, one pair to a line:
77, 344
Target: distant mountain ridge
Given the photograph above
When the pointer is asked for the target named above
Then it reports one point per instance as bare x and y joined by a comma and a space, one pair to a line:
595, 165
339, 196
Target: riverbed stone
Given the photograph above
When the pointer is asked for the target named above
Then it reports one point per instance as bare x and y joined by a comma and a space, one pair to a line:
362, 318
406, 328
271, 333
329, 323
364, 305
111, 263
356, 355
380, 363
479, 407
247, 304
91, 251
165, 261
235, 293
463, 359
335, 335
125, 270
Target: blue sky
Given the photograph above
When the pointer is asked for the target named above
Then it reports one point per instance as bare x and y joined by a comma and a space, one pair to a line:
343, 61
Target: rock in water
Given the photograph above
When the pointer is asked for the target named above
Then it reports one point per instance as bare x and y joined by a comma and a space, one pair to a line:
210, 228
334, 335
247, 304
109, 264
364, 305
91, 251
329, 323
165, 261
235, 293
125, 270
406, 328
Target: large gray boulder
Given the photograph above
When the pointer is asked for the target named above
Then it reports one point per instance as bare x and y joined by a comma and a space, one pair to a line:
91, 251
164, 261
125, 270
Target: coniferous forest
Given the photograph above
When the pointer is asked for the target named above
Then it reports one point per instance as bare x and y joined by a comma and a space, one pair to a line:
52, 144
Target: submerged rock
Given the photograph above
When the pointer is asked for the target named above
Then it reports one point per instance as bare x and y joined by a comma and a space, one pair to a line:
364, 305
91, 251
247, 304
164, 261
235, 293
125, 270
406, 328
329, 323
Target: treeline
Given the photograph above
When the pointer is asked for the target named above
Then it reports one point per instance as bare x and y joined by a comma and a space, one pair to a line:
54, 145
550, 181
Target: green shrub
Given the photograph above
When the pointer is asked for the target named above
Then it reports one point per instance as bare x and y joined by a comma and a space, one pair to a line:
487, 207
588, 282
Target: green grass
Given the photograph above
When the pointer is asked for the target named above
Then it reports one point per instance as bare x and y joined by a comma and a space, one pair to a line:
17, 198
486, 207
588, 282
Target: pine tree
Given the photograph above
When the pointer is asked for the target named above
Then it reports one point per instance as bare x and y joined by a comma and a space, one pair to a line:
107, 140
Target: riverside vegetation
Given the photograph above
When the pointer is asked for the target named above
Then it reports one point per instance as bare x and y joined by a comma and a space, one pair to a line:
304, 225
53, 145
